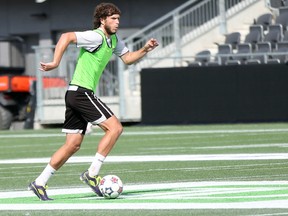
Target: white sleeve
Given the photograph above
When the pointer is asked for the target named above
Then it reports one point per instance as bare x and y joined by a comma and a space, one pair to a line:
89, 40
121, 48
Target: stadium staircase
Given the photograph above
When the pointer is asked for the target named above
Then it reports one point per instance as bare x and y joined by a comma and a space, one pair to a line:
182, 33
194, 26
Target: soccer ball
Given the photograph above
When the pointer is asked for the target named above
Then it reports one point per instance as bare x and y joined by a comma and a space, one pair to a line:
111, 186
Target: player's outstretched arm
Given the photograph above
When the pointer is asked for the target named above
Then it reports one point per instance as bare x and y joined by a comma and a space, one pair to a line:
60, 48
131, 57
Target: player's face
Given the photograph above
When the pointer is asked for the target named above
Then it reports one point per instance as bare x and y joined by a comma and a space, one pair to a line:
111, 24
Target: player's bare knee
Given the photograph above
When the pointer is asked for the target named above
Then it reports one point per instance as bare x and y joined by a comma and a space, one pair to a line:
73, 142
117, 129
76, 148
73, 148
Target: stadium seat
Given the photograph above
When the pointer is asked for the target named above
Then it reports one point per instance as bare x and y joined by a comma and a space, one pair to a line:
255, 35
278, 3
282, 18
233, 39
264, 20
243, 53
261, 52
232, 62
284, 8
224, 53
253, 62
281, 52
274, 35
285, 36
273, 61
201, 58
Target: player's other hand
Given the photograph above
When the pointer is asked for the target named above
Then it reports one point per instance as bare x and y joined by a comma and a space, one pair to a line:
150, 45
48, 66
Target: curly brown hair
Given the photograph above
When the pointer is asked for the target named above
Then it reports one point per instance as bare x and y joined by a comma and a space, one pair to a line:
102, 11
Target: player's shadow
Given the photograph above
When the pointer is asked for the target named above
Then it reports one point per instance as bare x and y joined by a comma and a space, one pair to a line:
144, 191
125, 194
84, 197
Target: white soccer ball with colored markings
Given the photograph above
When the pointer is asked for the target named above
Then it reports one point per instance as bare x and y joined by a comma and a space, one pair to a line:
111, 186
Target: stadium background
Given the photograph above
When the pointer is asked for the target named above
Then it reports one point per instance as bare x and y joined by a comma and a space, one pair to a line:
212, 94
42, 23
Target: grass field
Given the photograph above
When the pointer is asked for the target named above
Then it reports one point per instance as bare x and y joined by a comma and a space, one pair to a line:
237, 169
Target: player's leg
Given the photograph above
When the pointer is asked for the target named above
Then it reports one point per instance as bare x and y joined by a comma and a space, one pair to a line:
98, 113
113, 129
71, 146
74, 127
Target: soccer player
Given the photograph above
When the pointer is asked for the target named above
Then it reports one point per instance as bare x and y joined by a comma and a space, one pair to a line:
82, 105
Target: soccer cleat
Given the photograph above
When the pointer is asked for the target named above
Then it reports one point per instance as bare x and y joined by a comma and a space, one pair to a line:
92, 182
39, 191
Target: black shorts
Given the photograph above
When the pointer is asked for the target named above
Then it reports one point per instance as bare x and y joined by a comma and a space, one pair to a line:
82, 106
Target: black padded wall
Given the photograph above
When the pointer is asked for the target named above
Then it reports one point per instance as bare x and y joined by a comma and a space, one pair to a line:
252, 93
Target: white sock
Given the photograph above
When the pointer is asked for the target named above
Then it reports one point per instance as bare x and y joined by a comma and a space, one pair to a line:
96, 164
45, 175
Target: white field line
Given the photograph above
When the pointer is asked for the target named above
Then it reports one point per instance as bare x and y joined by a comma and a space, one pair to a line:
282, 145
190, 194
158, 158
177, 205
269, 214
279, 204
12, 136
179, 185
236, 146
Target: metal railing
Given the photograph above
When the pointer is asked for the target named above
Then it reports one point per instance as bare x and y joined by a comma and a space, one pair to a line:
182, 25
178, 28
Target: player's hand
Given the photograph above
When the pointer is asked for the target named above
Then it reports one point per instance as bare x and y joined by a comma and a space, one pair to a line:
150, 45
48, 66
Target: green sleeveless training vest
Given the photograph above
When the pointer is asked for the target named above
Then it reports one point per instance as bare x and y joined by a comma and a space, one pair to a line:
90, 65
